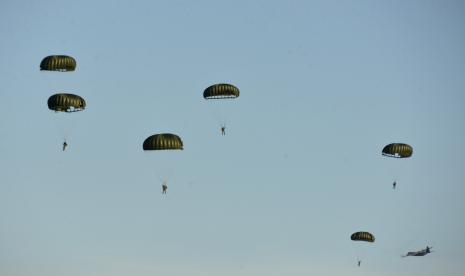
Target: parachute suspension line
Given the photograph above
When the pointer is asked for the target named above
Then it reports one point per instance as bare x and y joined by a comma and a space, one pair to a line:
162, 172
216, 113
160, 179
224, 119
163, 177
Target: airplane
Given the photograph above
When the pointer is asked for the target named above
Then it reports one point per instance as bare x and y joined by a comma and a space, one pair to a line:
422, 252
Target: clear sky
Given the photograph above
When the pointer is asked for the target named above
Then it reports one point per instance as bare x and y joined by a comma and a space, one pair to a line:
324, 86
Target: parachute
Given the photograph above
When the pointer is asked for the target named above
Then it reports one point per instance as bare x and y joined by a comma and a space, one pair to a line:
221, 111
397, 150
163, 141
362, 236
361, 249
221, 91
66, 102
60, 63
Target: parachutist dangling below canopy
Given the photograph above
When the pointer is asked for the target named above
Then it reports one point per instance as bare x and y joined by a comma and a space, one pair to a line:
162, 142
164, 188
221, 91
362, 236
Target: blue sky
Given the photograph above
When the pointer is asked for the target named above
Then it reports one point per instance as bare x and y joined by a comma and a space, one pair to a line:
324, 86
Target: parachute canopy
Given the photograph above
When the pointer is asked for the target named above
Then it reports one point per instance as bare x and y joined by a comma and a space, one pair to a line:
66, 102
163, 141
58, 63
362, 236
397, 150
221, 91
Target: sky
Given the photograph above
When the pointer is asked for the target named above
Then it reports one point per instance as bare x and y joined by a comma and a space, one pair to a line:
325, 85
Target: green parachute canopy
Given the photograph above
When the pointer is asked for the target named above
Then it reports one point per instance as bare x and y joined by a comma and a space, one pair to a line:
58, 63
163, 141
397, 150
362, 236
64, 102
221, 91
